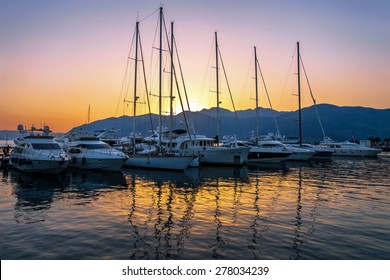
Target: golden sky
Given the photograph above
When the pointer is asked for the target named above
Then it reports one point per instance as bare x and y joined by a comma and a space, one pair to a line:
59, 58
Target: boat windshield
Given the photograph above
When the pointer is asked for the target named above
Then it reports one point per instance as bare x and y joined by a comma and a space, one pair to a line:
95, 146
46, 146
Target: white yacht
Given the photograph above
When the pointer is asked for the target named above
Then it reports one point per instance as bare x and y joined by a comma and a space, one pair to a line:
320, 153
267, 151
299, 153
349, 149
88, 152
36, 151
164, 161
209, 153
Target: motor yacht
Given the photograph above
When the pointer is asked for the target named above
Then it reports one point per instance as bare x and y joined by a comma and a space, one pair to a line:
36, 151
89, 152
349, 149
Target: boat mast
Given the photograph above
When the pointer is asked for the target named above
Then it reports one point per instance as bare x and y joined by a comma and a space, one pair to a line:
299, 96
171, 93
257, 99
135, 81
217, 81
160, 82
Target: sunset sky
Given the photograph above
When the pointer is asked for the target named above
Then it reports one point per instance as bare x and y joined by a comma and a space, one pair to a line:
57, 58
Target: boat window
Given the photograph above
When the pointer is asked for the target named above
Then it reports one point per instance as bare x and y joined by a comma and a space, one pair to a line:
74, 151
46, 146
95, 146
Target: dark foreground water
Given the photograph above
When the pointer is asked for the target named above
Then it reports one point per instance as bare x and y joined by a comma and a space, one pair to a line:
329, 210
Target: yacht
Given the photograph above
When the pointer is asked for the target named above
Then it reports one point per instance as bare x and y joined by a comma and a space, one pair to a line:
267, 151
299, 153
89, 152
349, 149
320, 153
206, 150
36, 151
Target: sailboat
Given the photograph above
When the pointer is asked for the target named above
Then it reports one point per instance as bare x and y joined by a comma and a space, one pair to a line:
318, 153
265, 150
161, 158
231, 153
208, 150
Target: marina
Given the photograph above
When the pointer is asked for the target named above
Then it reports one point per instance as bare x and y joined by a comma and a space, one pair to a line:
186, 159
337, 209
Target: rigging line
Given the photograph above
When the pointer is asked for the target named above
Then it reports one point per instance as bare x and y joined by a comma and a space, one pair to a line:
207, 72
312, 96
230, 92
125, 76
124, 81
171, 49
266, 91
185, 91
152, 74
182, 76
287, 79
149, 15
145, 81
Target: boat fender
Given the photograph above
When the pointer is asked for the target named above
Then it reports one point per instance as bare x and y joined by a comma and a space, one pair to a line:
83, 161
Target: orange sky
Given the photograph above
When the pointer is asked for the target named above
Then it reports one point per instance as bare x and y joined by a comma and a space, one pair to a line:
56, 59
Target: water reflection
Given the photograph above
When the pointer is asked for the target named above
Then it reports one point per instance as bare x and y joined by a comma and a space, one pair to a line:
288, 211
161, 209
35, 193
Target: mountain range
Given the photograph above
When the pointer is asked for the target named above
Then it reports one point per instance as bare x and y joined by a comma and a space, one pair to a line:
339, 123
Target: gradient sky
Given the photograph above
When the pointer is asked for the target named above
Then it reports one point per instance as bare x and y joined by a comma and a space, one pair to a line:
59, 57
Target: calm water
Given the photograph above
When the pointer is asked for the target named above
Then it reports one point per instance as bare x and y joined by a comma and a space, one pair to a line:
329, 210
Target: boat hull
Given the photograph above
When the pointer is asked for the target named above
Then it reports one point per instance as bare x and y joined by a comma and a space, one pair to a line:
357, 153
102, 164
159, 162
224, 156
261, 155
32, 165
350, 149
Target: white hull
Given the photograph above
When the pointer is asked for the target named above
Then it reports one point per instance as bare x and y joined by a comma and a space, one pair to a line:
356, 153
350, 149
103, 164
224, 155
38, 153
93, 154
159, 162
38, 165
299, 154
263, 155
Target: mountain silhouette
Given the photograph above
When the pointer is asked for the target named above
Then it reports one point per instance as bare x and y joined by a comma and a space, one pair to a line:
339, 123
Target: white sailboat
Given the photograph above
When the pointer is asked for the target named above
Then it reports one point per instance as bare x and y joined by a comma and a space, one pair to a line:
265, 151
160, 159
210, 150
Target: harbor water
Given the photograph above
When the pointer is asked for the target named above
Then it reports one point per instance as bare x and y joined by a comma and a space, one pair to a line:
321, 210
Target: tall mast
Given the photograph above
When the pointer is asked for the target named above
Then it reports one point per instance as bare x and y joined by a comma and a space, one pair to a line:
217, 80
257, 99
171, 89
299, 96
160, 82
135, 81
